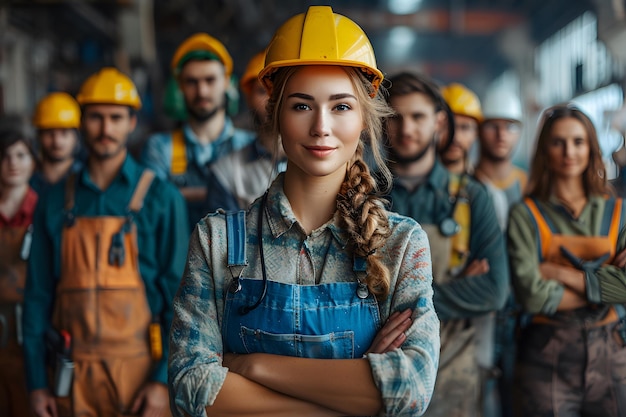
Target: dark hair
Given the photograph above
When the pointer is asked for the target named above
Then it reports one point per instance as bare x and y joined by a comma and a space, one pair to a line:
360, 204
408, 83
540, 180
11, 136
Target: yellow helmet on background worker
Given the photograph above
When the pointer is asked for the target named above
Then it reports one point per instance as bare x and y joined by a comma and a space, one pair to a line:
255, 65
320, 37
201, 46
109, 86
57, 111
462, 101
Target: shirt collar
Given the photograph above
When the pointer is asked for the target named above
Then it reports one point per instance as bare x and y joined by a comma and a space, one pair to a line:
225, 134
24, 214
128, 172
281, 218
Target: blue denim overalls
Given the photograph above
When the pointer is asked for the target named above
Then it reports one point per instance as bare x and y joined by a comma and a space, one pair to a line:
335, 320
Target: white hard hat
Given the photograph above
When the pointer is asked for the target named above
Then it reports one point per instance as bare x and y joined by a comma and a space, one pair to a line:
501, 103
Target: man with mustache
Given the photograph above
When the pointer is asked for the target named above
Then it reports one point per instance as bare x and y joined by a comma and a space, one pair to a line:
202, 67
109, 247
57, 119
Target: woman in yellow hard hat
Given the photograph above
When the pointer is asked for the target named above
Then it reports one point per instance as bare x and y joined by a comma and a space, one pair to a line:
317, 300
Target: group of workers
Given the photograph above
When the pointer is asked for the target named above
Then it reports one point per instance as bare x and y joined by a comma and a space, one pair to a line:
461, 288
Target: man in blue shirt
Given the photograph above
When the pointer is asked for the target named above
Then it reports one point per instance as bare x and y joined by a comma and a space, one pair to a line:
468, 252
109, 248
203, 67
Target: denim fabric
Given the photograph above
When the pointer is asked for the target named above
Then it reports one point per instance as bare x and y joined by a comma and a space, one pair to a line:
405, 376
326, 321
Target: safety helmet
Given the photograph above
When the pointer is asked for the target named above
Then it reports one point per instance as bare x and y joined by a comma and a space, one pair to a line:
500, 103
255, 65
57, 111
320, 37
201, 46
462, 101
109, 86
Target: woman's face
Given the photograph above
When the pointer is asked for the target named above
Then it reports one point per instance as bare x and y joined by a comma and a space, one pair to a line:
320, 121
568, 148
17, 165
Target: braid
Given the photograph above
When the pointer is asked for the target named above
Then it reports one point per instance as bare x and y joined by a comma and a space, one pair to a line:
365, 219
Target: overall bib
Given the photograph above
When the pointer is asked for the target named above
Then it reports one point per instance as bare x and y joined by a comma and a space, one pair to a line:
101, 301
328, 321
15, 244
573, 363
458, 386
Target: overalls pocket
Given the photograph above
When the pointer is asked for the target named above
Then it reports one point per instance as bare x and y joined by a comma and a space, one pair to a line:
339, 345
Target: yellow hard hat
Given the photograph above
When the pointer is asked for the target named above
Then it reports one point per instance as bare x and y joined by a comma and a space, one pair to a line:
109, 86
201, 46
320, 37
255, 65
57, 111
462, 101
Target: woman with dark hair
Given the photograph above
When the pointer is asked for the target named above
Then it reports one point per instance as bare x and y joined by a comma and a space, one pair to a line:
566, 249
17, 205
317, 301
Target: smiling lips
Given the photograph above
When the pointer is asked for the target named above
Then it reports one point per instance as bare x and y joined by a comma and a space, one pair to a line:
320, 151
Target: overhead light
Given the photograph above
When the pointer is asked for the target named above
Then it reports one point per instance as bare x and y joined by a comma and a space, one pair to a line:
403, 6
400, 43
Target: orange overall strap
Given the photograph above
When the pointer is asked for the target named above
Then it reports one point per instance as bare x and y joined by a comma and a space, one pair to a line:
615, 224
179, 153
136, 201
543, 230
69, 192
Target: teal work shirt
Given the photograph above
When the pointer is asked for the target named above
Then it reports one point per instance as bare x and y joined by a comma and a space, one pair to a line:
429, 203
162, 238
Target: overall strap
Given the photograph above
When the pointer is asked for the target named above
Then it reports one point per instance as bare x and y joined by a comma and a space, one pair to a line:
462, 216
70, 192
236, 242
141, 189
612, 220
179, 153
545, 229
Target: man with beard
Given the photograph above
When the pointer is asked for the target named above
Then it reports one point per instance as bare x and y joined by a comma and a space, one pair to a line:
468, 252
498, 136
107, 255
203, 67
467, 115
57, 119
248, 172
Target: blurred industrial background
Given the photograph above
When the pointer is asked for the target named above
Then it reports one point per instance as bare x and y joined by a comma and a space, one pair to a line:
549, 50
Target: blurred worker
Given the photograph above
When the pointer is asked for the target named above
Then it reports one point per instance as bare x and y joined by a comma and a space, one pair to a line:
467, 247
57, 119
248, 172
17, 205
203, 68
499, 134
467, 115
108, 251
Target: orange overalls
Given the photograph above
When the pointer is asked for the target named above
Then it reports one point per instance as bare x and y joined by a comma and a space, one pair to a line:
571, 363
15, 244
101, 301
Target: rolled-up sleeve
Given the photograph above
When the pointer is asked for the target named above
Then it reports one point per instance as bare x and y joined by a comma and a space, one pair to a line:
406, 376
195, 363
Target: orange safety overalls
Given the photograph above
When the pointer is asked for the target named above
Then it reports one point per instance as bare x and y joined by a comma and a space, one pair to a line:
584, 247
14, 400
572, 363
101, 301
